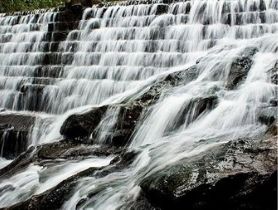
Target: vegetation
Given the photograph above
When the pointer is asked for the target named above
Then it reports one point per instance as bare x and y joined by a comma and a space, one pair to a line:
24, 5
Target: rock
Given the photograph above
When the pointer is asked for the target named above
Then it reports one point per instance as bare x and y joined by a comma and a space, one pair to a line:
128, 118
200, 106
141, 203
63, 150
81, 126
14, 133
268, 115
55, 197
161, 9
31, 96
22, 161
17, 121
274, 102
274, 74
72, 150
272, 130
240, 67
239, 175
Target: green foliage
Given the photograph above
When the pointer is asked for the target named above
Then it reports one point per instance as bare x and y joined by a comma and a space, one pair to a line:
27, 5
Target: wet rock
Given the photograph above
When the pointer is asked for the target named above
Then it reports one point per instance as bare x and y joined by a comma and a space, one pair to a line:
240, 67
47, 154
72, 150
128, 118
14, 133
17, 121
63, 150
117, 164
200, 106
268, 115
141, 203
55, 197
237, 175
31, 96
274, 102
161, 9
21, 162
83, 126
80, 126
274, 74
272, 130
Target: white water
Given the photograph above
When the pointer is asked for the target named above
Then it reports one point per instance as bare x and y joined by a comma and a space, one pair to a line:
121, 50
37, 179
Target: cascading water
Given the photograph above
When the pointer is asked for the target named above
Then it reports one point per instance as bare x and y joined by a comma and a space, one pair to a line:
113, 57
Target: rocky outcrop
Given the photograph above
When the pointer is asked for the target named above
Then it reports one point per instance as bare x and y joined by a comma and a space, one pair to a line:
81, 126
240, 67
55, 197
63, 150
240, 174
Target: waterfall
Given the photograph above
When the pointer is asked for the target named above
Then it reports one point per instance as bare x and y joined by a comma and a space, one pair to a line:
54, 66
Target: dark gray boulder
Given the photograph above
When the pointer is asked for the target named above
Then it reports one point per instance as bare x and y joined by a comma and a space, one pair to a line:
80, 126
239, 175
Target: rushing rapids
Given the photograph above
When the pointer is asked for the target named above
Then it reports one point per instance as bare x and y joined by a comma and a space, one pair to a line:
92, 106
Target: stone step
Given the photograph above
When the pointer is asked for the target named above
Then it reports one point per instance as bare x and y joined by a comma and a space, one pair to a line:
27, 47
251, 18
55, 36
62, 26
47, 71
14, 131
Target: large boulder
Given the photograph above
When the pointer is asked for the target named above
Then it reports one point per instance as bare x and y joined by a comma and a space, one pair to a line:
239, 175
83, 127
80, 126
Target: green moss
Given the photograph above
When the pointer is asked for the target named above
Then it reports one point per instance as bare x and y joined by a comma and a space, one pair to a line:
27, 5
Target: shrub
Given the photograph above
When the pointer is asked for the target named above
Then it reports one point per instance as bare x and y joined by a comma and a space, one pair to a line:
24, 5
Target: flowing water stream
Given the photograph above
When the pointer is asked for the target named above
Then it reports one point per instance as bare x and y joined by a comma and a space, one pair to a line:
114, 54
